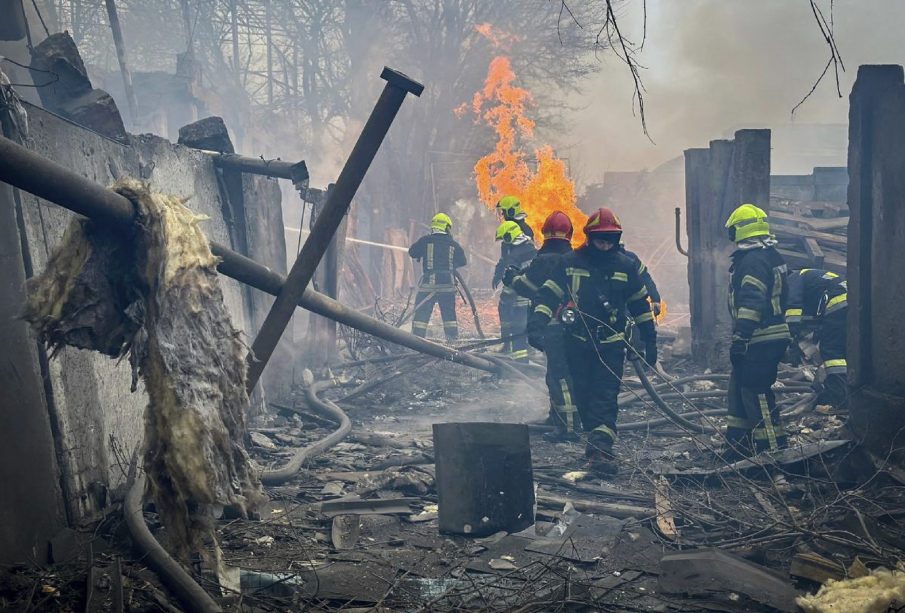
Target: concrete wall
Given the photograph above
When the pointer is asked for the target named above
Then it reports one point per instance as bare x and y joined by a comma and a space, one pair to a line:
97, 422
876, 233
717, 180
824, 184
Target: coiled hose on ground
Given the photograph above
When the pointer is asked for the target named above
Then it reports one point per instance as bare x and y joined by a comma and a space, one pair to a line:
302, 454
674, 417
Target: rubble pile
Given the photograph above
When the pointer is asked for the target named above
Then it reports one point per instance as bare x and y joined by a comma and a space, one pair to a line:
368, 509
813, 234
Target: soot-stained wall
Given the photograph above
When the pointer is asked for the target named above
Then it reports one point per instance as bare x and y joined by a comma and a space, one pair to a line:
92, 419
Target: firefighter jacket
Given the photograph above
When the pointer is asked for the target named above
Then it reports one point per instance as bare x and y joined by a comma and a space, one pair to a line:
518, 255
523, 224
757, 292
540, 269
643, 271
813, 293
440, 256
602, 286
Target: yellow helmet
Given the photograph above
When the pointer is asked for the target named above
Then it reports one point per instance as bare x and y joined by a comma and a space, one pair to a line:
508, 231
441, 222
511, 207
747, 221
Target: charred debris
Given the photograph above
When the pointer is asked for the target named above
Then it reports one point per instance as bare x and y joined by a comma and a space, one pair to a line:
391, 471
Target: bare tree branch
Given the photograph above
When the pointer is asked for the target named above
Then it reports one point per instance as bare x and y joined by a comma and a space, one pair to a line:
835, 59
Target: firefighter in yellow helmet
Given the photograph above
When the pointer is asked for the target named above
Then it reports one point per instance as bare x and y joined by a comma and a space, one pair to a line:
760, 335
510, 209
440, 256
516, 252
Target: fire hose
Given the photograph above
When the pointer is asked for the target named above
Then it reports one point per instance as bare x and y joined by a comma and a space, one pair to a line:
302, 454
463, 288
674, 417
797, 408
192, 596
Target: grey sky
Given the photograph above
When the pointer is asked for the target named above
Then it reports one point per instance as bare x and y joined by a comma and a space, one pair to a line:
717, 65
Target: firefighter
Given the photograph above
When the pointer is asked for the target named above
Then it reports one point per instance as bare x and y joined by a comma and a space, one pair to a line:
557, 231
760, 334
440, 256
819, 299
592, 290
510, 209
516, 252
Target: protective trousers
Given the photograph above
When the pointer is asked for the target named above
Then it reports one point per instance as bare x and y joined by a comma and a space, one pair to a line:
754, 423
596, 377
513, 320
831, 339
424, 308
563, 411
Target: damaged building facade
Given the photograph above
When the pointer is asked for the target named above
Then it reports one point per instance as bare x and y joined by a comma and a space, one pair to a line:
71, 424
399, 473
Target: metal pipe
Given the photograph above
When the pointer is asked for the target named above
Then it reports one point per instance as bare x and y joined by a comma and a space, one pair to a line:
328, 220
33, 173
251, 273
679, 232
297, 172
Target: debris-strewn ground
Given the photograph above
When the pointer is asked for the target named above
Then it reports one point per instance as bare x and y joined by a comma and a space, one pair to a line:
357, 529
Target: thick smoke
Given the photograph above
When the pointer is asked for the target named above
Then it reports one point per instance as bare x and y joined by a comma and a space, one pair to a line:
714, 66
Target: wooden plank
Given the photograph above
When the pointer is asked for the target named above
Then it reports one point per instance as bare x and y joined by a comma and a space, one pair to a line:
713, 570
821, 224
666, 520
802, 233
590, 506
815, 567
814, 252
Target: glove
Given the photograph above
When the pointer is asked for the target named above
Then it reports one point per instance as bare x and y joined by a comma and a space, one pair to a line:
657, 308
495, 283
536, 340
650, 352
509, 274
737, 351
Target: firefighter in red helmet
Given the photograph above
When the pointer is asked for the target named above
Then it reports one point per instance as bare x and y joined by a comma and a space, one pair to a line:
557, 231
592, 290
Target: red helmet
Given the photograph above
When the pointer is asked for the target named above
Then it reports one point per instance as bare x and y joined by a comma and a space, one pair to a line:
603, 220
557, 225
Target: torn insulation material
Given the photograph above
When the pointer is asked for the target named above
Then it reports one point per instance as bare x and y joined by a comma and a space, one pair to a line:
153, 293
881, 591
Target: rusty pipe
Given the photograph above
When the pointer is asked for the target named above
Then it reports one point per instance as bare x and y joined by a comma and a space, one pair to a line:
679, 232
297, 172
33, 173
328, 220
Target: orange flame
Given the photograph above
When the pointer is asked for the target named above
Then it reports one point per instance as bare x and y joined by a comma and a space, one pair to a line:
505, 171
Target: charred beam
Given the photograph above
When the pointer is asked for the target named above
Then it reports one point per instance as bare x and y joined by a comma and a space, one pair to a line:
329, 219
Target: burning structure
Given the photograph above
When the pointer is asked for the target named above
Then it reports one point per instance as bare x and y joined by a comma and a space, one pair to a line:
399, 473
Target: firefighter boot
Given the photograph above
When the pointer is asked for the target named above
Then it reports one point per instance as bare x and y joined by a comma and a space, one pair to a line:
599, 453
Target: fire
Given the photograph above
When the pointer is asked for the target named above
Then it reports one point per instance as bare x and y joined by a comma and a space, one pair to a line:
507, 171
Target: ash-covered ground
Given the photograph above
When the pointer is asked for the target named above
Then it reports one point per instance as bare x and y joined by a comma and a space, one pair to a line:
357, 528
